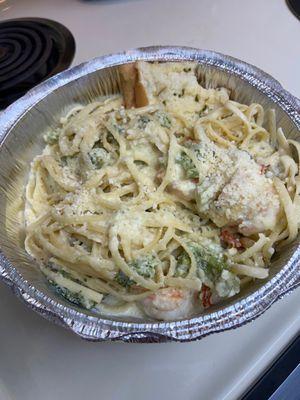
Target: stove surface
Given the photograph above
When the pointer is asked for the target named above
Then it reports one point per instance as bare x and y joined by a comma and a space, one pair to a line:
41, 361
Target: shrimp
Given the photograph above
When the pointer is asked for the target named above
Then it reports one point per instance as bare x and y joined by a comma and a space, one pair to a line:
168, 304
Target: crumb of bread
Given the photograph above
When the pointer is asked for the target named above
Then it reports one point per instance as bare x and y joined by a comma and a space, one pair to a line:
128, 75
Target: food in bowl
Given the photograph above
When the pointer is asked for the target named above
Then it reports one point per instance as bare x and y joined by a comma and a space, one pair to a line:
163, 200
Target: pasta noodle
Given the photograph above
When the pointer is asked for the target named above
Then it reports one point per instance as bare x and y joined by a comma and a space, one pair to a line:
126, 204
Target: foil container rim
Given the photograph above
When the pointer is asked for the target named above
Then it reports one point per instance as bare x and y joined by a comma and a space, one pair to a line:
102, 329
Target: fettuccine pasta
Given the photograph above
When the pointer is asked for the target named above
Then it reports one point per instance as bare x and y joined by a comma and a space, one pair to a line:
164, 207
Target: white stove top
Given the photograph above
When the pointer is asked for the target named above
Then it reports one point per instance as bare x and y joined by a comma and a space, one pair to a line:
39, 360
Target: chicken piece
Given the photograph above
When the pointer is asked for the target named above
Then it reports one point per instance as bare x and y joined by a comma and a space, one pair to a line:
249, 200
213, 170
184, 189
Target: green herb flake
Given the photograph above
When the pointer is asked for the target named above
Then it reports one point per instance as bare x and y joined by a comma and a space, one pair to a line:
143, 121
203, 111
120, 129
67, 160
66, 274
182, 93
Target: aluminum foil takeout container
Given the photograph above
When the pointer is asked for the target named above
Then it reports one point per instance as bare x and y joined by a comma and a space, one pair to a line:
21, 128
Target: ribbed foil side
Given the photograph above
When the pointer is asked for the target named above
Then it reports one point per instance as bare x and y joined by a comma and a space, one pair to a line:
21, 128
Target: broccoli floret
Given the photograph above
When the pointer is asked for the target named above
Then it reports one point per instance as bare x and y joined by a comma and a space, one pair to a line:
211, 264
124, 280
51, 137
213, 268
188, 166
182, 266
144, 266
74, 297
228, 284
99, 157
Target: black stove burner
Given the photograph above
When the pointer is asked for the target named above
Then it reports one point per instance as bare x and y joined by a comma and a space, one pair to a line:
31, 50
294, 6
